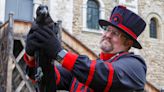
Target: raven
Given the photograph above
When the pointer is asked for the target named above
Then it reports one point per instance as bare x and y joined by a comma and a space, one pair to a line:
47, 82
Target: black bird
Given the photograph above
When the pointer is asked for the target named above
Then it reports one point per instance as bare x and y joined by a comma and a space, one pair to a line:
48, 80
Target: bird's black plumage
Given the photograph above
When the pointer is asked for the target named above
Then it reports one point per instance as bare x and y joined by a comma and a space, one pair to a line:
48, 80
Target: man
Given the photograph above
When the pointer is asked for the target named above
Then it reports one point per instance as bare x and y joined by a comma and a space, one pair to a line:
116, 70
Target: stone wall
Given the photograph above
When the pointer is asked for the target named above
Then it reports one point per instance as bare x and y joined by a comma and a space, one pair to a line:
153, 49
77, 16
62, 10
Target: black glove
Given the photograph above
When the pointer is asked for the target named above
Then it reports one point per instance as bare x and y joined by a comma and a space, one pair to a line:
30, 48
30, 71
48, 41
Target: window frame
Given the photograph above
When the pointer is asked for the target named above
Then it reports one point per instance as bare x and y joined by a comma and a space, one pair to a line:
18, 8
153, 31
101, 16
160, 34
93, 14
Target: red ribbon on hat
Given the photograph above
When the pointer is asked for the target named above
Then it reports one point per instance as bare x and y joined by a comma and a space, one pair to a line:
130, 32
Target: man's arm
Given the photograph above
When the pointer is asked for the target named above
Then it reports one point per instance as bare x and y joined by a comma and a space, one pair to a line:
63, 76
94, 73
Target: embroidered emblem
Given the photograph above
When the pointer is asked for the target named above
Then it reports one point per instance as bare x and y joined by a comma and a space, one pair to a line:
116, 19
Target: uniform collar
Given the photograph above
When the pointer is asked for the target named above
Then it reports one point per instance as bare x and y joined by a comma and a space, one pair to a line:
106, 56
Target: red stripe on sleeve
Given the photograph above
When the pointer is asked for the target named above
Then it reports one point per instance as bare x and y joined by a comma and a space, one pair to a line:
110, 77
85, 89
79, 87
73, 84
69, 61
91, 72
29, 63
91, 90
57, 75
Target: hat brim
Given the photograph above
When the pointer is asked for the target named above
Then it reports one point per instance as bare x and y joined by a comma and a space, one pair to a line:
102, 23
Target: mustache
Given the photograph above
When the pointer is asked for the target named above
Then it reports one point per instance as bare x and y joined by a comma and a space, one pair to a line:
105, 38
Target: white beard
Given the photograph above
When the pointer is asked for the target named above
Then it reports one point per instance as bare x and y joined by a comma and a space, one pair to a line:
106, 46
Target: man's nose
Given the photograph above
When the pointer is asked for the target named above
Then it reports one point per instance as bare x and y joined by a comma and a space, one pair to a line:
108, 34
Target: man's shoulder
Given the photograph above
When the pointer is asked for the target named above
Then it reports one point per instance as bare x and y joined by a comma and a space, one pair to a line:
130, 60
132, 56
132, 67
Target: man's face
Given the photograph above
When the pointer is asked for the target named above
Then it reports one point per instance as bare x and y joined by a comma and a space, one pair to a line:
113, 40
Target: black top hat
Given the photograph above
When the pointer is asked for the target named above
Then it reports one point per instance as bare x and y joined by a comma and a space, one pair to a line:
127, 21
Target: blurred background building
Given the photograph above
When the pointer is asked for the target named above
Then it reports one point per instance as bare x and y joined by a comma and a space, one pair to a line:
80, 19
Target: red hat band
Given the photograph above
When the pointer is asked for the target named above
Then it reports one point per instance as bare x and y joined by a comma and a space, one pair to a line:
130, 32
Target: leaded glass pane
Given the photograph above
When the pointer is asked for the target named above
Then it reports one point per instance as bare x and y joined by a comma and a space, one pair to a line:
153, 28
92, 14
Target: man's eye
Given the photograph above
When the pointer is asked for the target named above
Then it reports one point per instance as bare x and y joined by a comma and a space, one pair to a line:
116, 33
109, 30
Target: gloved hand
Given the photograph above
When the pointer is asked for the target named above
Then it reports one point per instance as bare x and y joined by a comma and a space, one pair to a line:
30, 48
30, 71
48, 41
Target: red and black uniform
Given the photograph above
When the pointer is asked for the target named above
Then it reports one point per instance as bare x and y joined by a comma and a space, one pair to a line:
122, 72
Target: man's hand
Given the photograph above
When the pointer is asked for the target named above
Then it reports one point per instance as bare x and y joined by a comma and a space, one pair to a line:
30, 48
48, 41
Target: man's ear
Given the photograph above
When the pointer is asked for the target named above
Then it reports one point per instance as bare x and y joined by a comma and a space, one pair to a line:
129, 43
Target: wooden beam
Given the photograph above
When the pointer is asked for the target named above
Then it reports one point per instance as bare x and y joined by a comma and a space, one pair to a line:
19, 88
150, 88
75, 44
31, 89
10, 43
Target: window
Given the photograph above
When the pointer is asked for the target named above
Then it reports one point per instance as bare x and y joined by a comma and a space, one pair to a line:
23, 9
92, 14
153, 28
